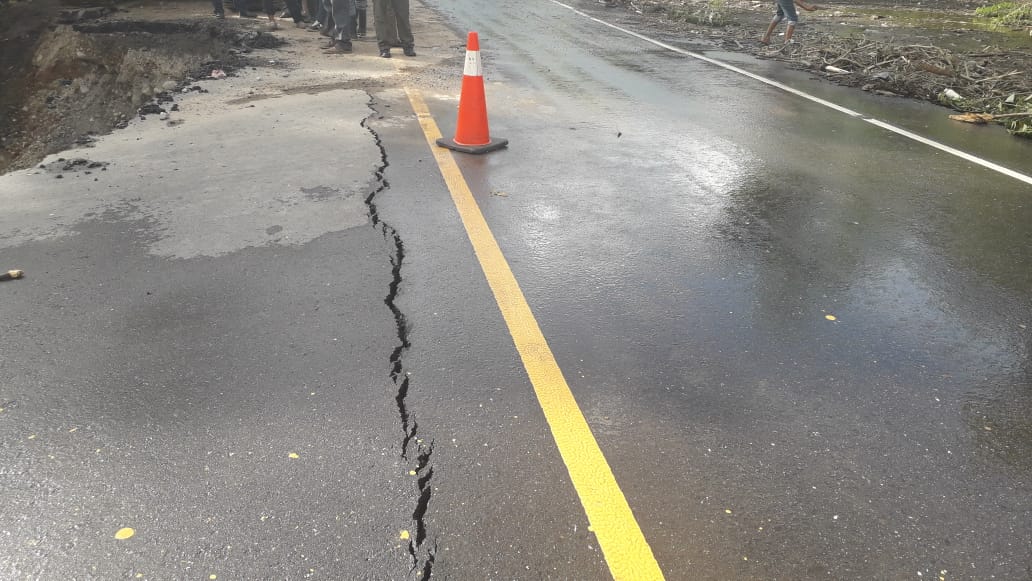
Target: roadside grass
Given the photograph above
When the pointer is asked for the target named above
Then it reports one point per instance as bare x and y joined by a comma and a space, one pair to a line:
1007, 14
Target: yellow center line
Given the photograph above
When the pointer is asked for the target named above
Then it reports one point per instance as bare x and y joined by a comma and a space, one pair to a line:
627, 552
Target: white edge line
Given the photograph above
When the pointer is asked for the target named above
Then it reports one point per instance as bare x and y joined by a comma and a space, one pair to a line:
888, 126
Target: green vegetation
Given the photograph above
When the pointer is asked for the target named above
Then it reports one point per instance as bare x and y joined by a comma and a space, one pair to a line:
1015, 105
1007, 14
1020, 128
996, 10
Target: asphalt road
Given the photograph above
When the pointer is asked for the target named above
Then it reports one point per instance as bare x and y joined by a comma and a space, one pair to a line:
685, 236
800, 341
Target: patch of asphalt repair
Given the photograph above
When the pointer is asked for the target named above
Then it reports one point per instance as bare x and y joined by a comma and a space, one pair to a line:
422, 552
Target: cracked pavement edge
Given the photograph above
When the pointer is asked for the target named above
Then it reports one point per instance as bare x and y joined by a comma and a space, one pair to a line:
421, 550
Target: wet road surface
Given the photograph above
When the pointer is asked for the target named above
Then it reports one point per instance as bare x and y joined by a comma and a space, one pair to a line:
196, 364
801, 341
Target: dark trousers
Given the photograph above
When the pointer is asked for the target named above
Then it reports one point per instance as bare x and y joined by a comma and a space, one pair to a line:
322, 15
401, 17
358, 24
342, 12
293, 7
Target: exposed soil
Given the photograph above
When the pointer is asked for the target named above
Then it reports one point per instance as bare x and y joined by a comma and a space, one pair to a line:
73, 69
72, 72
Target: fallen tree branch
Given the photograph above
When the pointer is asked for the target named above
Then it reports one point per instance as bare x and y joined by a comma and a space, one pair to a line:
998, 77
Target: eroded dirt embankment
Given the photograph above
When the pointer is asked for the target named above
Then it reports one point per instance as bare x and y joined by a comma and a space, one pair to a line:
64, 82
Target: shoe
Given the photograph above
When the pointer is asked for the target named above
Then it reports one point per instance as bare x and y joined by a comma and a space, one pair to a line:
340, 47
409, 51
220, 15
314, 26
300, 24
325, 31
247, 15
385, 53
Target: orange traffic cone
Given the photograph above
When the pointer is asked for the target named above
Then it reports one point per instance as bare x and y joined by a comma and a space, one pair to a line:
471, 132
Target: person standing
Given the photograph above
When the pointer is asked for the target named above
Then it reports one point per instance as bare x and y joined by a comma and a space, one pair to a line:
392, 28
404, 26
358, 24
241, 7
338, 21
321, 18
293, 7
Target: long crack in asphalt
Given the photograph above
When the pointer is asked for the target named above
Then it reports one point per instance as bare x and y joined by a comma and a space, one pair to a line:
421, 551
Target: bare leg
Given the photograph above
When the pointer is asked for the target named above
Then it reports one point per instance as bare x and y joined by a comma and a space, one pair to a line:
770, 30
789, 31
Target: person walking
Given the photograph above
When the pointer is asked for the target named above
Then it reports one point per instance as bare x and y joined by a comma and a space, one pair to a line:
404, 26
786, 9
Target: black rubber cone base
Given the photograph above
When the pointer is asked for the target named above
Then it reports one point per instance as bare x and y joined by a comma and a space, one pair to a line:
494, 144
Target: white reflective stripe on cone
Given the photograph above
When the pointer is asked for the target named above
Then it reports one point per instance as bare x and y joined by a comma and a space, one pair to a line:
473, 66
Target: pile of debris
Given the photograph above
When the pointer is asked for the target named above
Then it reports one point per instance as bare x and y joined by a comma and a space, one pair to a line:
994, 84
991, 83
